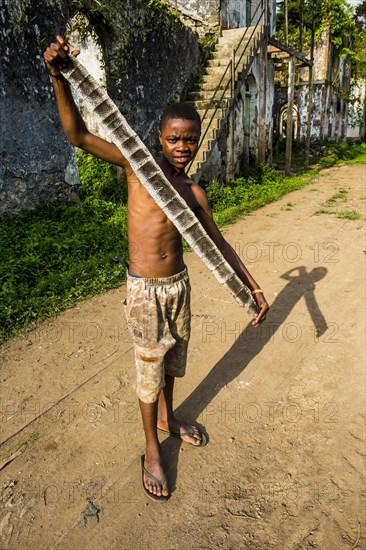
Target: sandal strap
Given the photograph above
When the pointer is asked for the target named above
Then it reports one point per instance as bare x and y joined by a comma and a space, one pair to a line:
189, 434
151, 476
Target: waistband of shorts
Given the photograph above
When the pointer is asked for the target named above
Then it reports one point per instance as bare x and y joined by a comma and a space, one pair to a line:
160, 281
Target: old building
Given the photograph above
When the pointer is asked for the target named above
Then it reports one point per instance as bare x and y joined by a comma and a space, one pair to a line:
334, 116
150, 55
236, 90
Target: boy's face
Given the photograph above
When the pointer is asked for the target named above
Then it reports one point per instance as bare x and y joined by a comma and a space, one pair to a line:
179, 138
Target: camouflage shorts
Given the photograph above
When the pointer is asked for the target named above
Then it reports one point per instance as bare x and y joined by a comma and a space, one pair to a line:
159, 320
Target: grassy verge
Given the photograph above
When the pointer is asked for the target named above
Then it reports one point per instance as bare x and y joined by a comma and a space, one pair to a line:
55, 256
243, 195
344, 153
59, 254
334, 154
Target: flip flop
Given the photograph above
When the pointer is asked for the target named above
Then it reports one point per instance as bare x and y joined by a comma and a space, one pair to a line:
190, 434
160, 482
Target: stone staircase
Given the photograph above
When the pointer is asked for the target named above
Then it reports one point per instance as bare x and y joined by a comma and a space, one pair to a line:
209, 93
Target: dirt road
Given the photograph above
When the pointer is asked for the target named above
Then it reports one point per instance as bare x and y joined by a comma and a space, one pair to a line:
283, 406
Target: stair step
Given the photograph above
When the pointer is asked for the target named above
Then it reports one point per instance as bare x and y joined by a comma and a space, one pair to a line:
211, 85
211, 135
202, 104
216, 69
218, 62
237, 32
225, 41
232, 36
226, 52
203, 154
219, 114
215, 76
206, 95
215, 124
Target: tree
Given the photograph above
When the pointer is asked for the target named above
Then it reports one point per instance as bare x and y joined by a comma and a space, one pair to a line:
337, 15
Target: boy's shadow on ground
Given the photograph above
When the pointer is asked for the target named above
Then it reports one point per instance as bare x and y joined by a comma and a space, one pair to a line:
249, 344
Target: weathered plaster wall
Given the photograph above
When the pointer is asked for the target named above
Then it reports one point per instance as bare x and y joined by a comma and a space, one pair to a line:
91, 56
202, 16
35, 159
209, 15
330, 112
149, 58
357, 111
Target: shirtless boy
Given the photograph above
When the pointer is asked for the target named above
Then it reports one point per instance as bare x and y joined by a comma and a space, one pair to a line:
158, 290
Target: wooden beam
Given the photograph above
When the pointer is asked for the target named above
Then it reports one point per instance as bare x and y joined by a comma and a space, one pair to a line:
289, 50
308, 119
310, 99
290, 108
301, 30
262, 127
285, 23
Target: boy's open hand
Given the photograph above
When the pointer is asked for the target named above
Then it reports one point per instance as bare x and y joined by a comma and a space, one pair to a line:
263, 306
56, 56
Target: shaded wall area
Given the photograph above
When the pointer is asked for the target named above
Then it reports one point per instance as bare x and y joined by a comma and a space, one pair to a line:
35, 158
149, 57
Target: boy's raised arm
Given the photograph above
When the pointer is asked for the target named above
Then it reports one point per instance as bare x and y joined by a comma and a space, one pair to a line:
75, 129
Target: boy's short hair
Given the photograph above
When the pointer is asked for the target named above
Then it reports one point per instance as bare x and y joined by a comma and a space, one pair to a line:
179, 110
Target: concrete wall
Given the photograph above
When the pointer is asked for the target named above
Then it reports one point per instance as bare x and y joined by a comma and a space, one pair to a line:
35, 158
150, 66
149, 58
91, 56
357, 111
205, 16
201, 15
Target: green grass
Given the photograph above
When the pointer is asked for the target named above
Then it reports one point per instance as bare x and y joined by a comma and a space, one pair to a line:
345, 215
55, 256
58, 254
262, 186
288, 206
336, 154
349, 215
324, 211
340, 196
345, 153
297, 156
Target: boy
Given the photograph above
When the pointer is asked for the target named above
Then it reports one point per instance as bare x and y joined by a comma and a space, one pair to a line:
158, 291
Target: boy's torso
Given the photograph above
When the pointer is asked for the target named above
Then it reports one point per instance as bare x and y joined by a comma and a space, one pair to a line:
155, 245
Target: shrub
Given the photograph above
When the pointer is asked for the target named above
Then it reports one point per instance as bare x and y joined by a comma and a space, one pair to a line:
99, 179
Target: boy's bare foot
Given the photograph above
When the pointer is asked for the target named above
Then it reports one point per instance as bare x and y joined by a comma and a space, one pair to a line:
154, 478
186, 432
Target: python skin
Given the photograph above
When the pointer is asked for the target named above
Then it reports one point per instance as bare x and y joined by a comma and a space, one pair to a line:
110, 119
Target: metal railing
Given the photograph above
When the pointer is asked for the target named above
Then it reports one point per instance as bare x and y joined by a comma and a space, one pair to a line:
232, 66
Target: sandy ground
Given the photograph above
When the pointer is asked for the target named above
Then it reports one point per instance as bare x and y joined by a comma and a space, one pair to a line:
283, 406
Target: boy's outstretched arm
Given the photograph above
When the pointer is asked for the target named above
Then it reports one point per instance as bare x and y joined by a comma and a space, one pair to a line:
55, 56
204, 214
